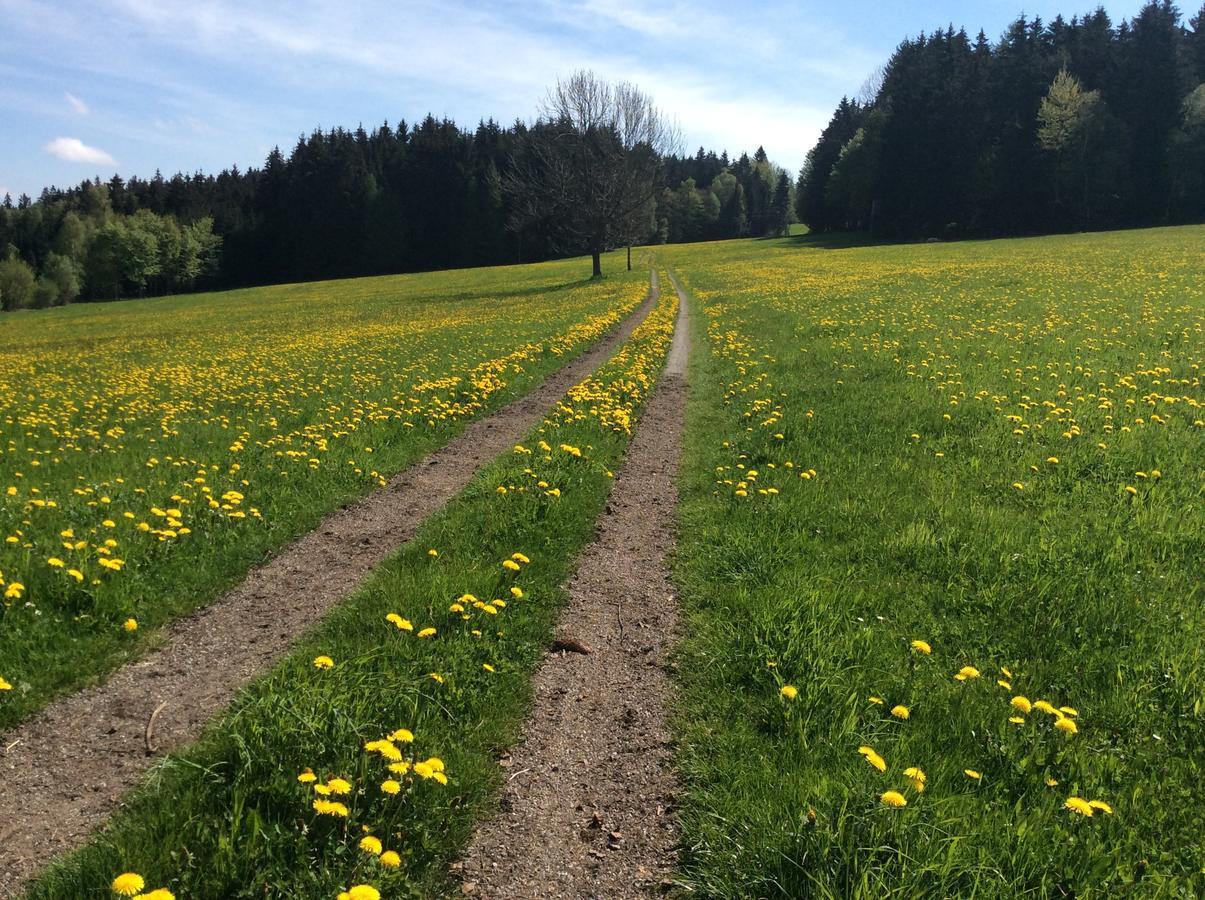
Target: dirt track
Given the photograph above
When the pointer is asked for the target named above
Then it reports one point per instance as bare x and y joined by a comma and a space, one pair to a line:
587, 810
64, 771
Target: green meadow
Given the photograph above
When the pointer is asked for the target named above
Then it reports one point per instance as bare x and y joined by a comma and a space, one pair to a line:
994, 448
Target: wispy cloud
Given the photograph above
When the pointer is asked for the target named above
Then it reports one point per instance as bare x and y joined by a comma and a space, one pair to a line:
189, 85
75, 150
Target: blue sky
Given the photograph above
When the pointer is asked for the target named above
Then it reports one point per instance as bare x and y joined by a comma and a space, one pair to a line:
129, 86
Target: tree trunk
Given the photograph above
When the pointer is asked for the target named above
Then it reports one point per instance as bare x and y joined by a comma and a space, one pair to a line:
629, 257
597, 264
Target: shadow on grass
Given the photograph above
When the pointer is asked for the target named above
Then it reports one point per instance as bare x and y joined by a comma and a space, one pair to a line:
835, 240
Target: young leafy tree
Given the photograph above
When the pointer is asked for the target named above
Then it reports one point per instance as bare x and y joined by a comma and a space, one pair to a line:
586, 172
61, 272
103, 266
16, 283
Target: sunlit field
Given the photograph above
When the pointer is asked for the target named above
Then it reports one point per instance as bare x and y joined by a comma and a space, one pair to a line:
941, 556
150, 451
355, 767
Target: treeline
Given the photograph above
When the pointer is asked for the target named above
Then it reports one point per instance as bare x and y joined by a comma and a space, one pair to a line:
715, 199
341, 203
53, 251
1062, 126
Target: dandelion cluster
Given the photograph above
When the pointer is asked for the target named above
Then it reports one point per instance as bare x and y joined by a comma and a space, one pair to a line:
131, 884
130, 450
1000, 706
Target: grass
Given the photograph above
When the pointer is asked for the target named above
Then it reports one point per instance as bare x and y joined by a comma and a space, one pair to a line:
995, 448
152, 451
229, 818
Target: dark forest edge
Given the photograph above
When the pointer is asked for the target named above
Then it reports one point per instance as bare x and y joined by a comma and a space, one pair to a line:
1067, 126
1075, 125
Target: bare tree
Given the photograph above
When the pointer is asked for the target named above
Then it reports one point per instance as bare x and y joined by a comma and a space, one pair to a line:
869, 91
586, 171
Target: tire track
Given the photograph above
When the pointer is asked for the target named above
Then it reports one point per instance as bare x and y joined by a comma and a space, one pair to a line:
588, 810
64, 771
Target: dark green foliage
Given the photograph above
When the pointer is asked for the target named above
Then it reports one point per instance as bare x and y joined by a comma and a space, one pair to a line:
950, 145
16, 284
717, 200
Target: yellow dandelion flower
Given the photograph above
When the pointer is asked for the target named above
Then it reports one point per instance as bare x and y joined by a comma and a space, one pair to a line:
399, 768
922, 647
917, 777
967, 672
391, 787
436, 677
402, 736
510, 565
433, 553
339, 786
893, 798
426, 633
873, 758
1021, 705
1066, 725
878, 701
128, 884
4, 685
1051, 782
307, 777
900, 711
1005, 672
389, 859
517, 593
789, 691
385, 748
157, 894
972, 774
1078, 805
130, 625
1101, 806
370, 844
399, 623
1069, 711
1004, 684
487, 667
1044, 706
363, 892
323, 662
330, 808
1017, 720
520, 558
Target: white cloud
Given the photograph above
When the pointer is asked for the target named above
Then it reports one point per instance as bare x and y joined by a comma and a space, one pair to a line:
77, 104
75, 150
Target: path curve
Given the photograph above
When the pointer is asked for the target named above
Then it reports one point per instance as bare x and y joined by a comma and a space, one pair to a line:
587, 807
64, 771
